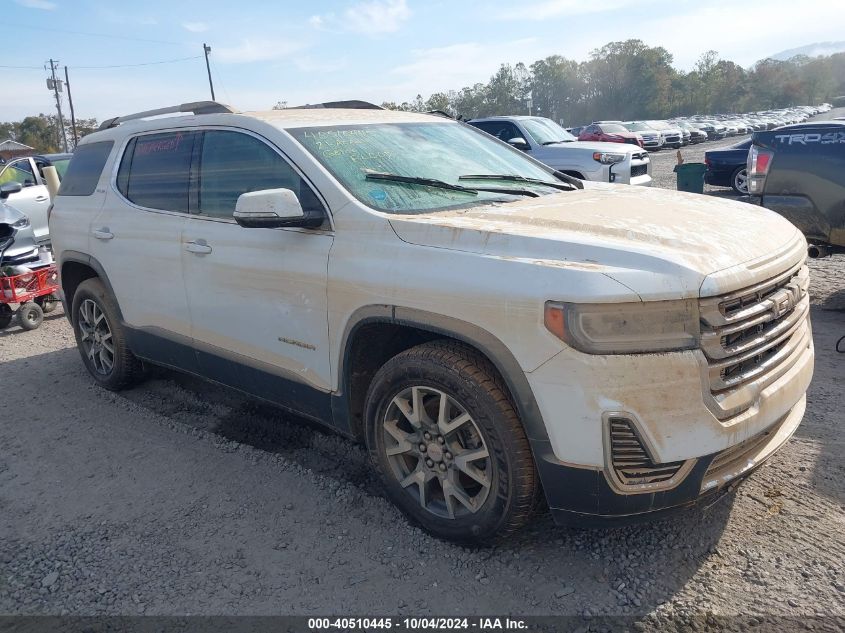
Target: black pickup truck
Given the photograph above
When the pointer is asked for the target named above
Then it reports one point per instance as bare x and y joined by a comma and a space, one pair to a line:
799, 171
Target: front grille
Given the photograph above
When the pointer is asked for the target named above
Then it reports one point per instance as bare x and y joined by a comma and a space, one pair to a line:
631, 463
6, 230
639, 170
639, 156
749, 333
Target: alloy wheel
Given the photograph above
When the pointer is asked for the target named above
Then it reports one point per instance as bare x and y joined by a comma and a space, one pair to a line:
436, 452
741, 181
96, 337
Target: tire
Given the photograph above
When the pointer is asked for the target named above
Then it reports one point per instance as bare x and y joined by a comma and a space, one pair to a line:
6, 315
739, 181
30, 315
48, 303
96, 324
483, 461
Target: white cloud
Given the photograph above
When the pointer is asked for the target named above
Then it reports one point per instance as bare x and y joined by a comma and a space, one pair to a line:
564, 8
372, 17
257, 50
44, 5
458, 65
195, 27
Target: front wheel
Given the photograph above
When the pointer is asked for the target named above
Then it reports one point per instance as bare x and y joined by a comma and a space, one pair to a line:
6, 314
739, 181
30, 315
449, 445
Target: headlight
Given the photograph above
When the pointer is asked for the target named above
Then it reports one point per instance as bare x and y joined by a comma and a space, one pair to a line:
21, 224
606, 158
625, 328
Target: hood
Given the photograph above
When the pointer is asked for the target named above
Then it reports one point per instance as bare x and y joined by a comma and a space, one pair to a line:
9, 215
595, 146
660, 244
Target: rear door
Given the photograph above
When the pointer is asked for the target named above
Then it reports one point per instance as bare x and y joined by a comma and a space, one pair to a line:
34, 199
137, 239
257, 296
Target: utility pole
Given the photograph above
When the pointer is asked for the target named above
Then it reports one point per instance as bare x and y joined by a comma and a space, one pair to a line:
56, 85
207, 49
72, 116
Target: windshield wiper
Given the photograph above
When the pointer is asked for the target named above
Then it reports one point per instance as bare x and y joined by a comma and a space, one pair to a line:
442, 184
563, 140
562, 186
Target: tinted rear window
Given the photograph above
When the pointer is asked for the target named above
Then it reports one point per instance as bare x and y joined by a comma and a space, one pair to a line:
83, 172
155, 170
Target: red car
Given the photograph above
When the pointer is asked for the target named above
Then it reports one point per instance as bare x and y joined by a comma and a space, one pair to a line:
610, 133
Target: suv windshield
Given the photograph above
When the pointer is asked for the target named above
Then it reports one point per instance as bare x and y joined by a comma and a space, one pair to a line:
636, 126
441, 151
546, 131
613, 128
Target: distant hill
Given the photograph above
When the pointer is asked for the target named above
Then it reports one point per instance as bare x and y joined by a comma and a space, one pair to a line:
811, 50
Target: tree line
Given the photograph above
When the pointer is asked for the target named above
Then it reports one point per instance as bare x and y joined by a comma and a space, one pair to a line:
631, 80
43, 133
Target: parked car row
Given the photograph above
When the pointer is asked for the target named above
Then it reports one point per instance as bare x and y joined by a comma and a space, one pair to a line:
654, 135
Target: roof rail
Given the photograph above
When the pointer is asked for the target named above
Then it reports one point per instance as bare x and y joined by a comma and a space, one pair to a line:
195, 107
353, 104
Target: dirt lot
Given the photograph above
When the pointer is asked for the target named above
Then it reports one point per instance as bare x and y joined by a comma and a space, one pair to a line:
178, 498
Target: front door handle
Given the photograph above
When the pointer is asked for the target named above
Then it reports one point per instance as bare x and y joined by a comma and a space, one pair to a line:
42, 198
198, 246
103, 233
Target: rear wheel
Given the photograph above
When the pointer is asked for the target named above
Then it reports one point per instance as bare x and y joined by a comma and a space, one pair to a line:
739, 181
101, 338
48, 303
449, 445
30, 315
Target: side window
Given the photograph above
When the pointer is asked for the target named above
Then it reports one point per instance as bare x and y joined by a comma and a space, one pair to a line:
155, 170
502, 130
84, 169
232, 163
18, 171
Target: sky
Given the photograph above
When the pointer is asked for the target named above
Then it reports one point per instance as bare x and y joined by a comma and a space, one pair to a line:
376, 50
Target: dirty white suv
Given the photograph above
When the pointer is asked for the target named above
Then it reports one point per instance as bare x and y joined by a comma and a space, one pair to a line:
495, 331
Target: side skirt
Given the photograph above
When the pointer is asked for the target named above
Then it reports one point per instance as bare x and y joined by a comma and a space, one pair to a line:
285, 393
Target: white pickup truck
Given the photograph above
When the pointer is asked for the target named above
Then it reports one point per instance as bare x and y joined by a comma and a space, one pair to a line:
545, 140
494, 330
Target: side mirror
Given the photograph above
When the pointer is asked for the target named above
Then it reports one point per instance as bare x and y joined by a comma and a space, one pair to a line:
8, 189
272, 208
519, 143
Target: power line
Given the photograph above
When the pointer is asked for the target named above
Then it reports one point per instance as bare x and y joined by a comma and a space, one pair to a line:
164, 61
90, 34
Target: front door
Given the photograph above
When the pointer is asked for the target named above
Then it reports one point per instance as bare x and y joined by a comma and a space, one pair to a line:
257, 297
33, 199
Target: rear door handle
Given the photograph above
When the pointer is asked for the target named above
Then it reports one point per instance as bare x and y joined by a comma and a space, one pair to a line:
198, 246
103, 234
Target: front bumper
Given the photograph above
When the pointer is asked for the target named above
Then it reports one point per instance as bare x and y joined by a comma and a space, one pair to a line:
586, 497
667, 401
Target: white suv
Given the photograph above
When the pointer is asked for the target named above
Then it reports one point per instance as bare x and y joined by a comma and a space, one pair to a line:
494, 330
545, 140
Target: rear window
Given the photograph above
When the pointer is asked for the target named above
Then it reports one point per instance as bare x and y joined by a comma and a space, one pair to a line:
83, 172
155, 170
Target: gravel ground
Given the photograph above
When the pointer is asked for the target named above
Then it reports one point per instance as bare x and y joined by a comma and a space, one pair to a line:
180, 498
